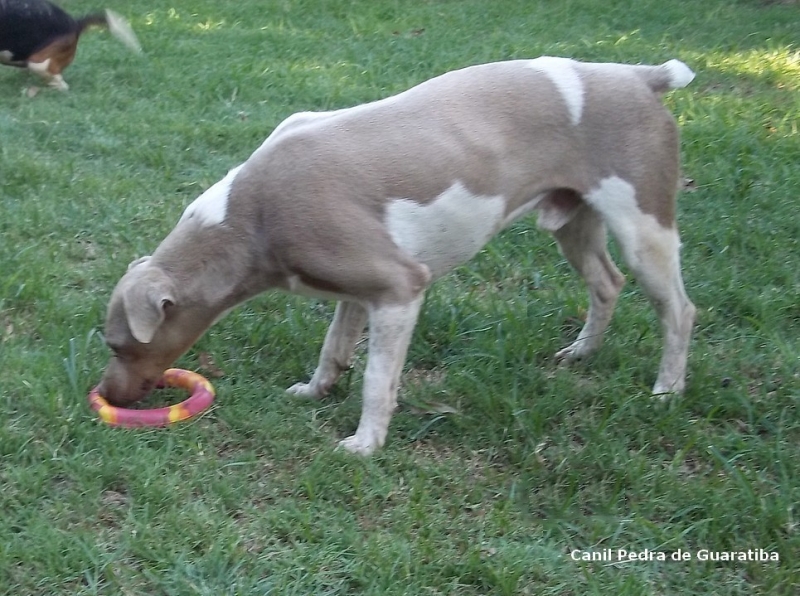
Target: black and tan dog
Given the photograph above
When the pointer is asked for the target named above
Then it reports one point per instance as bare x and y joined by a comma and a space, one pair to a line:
40, 36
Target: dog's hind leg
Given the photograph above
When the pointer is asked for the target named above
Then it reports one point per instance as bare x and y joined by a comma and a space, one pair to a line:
652, 251
345, 330
583, 243
653, 256
390, 329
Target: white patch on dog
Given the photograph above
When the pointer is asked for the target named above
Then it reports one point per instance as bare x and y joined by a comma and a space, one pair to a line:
680, 74
566, 79
448, 231
39, 68
211, 207
615, 200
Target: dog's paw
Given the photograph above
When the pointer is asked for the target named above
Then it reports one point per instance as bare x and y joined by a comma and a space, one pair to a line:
358, 446
305, 390
569, 354
663, 391
577, 350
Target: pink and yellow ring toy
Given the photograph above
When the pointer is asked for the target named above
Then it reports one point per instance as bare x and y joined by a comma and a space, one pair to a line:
202, 394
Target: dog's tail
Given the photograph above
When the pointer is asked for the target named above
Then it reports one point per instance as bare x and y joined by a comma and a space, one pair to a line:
673, 74
115, 23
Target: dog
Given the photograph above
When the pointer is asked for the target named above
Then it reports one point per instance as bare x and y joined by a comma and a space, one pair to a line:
40, 36
368, 205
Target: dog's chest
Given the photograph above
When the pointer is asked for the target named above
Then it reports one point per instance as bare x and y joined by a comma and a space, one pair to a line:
447, 231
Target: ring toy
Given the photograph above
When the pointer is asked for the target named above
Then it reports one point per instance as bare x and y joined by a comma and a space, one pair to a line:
202, 395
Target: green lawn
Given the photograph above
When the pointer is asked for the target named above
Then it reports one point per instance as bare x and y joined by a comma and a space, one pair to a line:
499, 464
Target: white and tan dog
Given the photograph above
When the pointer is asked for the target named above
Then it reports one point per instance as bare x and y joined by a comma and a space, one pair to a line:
368, 205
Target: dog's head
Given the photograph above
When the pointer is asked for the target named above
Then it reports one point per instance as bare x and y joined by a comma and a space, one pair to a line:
148, 326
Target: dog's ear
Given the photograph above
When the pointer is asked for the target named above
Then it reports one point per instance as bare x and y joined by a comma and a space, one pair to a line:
146, 301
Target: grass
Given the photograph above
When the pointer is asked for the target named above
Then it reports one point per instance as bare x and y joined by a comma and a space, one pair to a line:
499, 463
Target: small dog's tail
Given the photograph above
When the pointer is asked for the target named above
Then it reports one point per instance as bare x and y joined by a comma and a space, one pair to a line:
121, 29
673, 74
115, 23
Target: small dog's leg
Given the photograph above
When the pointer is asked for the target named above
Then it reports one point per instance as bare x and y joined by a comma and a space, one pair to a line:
344, 332
390, 329
583, 243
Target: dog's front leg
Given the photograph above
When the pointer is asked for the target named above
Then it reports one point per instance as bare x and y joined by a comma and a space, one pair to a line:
390, 329
346, 328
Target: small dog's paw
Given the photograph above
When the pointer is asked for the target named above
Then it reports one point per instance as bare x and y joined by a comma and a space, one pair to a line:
354, 444
305, 390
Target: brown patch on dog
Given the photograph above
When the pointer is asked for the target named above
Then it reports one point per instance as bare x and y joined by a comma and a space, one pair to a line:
60, 52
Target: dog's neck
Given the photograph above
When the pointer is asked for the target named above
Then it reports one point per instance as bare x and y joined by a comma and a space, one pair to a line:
218, 266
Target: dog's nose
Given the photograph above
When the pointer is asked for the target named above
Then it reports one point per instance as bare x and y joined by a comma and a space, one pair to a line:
122, 393
117, 398
146, 387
